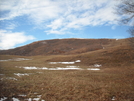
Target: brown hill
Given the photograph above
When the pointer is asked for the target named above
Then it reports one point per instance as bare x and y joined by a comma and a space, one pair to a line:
116, 53
64, 46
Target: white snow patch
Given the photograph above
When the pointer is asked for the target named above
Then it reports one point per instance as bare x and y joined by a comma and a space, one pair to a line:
117, 39
23, 95
20, 74
57, 68
69, 68
15, 99
113, 98
78, 61
44, 68
97, 65
3, 99
72, 66
11, 78
67, 62
93, 69
30, 67
73, 62
15, 59
36, 99
20, 59
61, 62
53, 63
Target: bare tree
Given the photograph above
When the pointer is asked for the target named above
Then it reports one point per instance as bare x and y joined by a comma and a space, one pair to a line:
126, 10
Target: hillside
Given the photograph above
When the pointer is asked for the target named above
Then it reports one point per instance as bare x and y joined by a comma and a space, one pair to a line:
94, 70
63, 46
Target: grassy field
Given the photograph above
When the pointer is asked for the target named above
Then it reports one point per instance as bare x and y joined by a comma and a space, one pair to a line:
107, 84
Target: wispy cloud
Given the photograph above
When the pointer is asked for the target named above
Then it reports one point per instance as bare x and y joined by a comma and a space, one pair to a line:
11, 26
9, 39
59, 16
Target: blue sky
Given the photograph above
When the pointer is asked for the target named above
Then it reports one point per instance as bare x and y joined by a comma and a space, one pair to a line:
26, 21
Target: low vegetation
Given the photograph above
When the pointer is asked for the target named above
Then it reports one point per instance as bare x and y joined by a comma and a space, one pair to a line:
113, 82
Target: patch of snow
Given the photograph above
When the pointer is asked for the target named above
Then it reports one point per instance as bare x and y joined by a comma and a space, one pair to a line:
72, 66
57, 68
15, 99
4, 60
11, 78
67, 62
69, 68
29, 99
52, 62
15, 59
20, 59
61, 62
36, 99
93, 69
22, 95
117, 39
20, 74
113, 98
30, 67
3, 99
78, 61
97, 65
44, 68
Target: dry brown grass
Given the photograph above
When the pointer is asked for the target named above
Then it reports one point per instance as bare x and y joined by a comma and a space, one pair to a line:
70, 85
115, 79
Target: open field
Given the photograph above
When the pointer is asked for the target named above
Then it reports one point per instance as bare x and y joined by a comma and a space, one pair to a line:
38, 84
100, 75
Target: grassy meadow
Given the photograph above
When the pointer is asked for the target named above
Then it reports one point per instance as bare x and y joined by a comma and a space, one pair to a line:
107, 84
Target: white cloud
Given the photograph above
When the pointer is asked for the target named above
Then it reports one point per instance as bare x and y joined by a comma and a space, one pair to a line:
9, 39
11, 26
59, 16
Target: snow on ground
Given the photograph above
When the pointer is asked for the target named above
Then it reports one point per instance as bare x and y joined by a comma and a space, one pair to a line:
15, 59
93, 69
29, 99
73, 62
72, 66
45, 68
21, 74
3, 99
22, 95
15, 99
57, 68
61, 62
97, 65
20, 59
11, 78
78, 61
29, 67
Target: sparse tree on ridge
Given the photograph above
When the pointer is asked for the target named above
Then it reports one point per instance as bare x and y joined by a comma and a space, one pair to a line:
126, 10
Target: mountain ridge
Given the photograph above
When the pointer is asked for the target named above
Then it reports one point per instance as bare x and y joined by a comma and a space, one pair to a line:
63, 46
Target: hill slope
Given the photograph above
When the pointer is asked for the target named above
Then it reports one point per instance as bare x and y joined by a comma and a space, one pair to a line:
63, 46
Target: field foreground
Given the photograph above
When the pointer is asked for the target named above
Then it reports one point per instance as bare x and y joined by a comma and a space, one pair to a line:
22, 81
106, 74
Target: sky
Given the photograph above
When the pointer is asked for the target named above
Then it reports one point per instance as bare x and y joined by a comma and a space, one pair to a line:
25, 21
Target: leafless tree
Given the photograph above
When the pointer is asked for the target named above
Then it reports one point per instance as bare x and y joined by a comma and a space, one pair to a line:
126, 10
